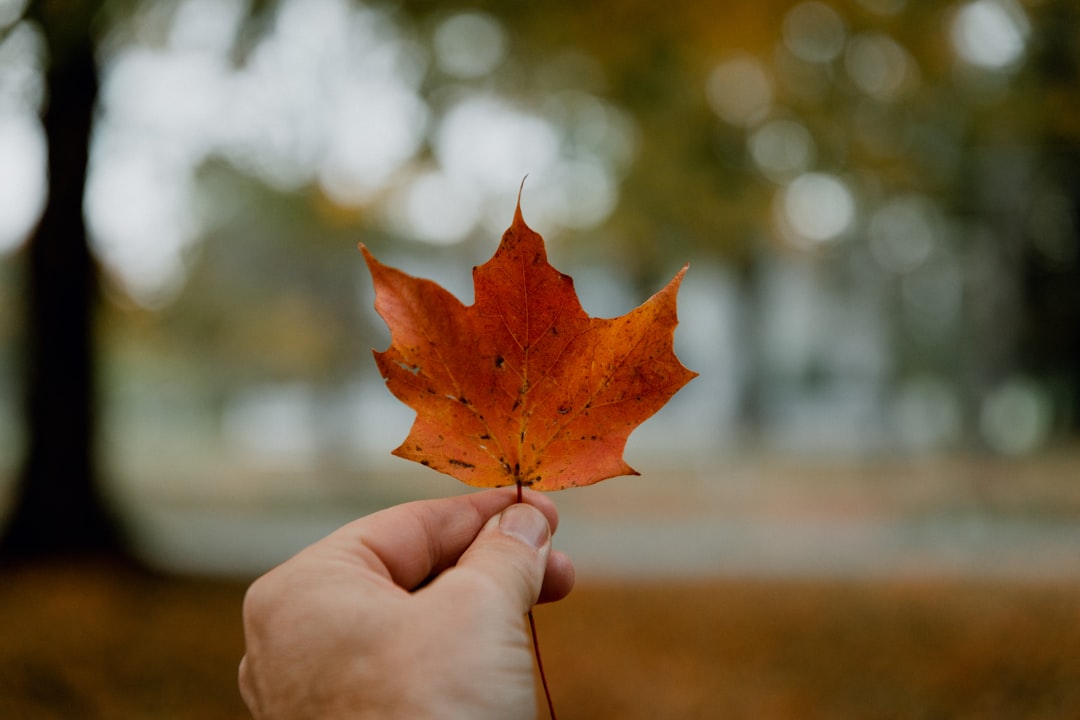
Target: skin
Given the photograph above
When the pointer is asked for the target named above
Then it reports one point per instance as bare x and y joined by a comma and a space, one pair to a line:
416, 611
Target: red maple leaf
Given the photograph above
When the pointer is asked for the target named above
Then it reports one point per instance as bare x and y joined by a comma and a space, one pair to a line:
523, 387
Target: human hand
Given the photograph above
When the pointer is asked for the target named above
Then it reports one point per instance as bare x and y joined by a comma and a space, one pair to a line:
412, 612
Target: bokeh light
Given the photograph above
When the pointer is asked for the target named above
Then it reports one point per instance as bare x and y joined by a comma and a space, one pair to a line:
11, 11
22, 60
22, 143
22, 177
782, 149
902, 232
991, 33
881, 67
1015, 417
469, 45
814, 32
493, 144
739, 90
138, 208
377, 129
816, 208
435, 207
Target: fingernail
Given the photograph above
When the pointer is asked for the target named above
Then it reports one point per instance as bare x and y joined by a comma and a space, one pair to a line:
526, 523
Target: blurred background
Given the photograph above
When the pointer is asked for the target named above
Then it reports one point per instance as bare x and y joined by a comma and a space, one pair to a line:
878, 199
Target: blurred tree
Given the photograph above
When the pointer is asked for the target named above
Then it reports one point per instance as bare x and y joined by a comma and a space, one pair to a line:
59, 507
1050, 344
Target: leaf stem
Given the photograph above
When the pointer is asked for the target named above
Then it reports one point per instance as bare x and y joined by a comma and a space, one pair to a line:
540, 666
536, 642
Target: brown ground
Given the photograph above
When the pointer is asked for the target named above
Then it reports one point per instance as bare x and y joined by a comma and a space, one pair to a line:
93, 642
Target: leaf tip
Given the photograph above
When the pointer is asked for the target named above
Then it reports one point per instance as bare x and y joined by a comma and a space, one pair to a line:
376, 268
517, 210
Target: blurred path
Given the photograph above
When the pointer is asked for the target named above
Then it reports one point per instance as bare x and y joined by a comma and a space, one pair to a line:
977, 518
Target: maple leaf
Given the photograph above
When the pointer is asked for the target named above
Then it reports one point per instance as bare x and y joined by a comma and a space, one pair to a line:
523, 387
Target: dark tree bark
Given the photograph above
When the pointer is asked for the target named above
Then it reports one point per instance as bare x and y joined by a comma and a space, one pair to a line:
1051, 281
59, 507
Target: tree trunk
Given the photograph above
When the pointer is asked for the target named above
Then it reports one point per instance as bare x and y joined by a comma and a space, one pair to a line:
59, 508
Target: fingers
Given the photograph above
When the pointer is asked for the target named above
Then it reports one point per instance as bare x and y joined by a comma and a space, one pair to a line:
510, 554
411, 542
558, 578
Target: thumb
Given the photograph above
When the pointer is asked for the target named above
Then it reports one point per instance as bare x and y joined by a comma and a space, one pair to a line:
511, 551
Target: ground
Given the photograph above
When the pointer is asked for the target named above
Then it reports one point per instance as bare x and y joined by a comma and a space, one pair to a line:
93, 641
